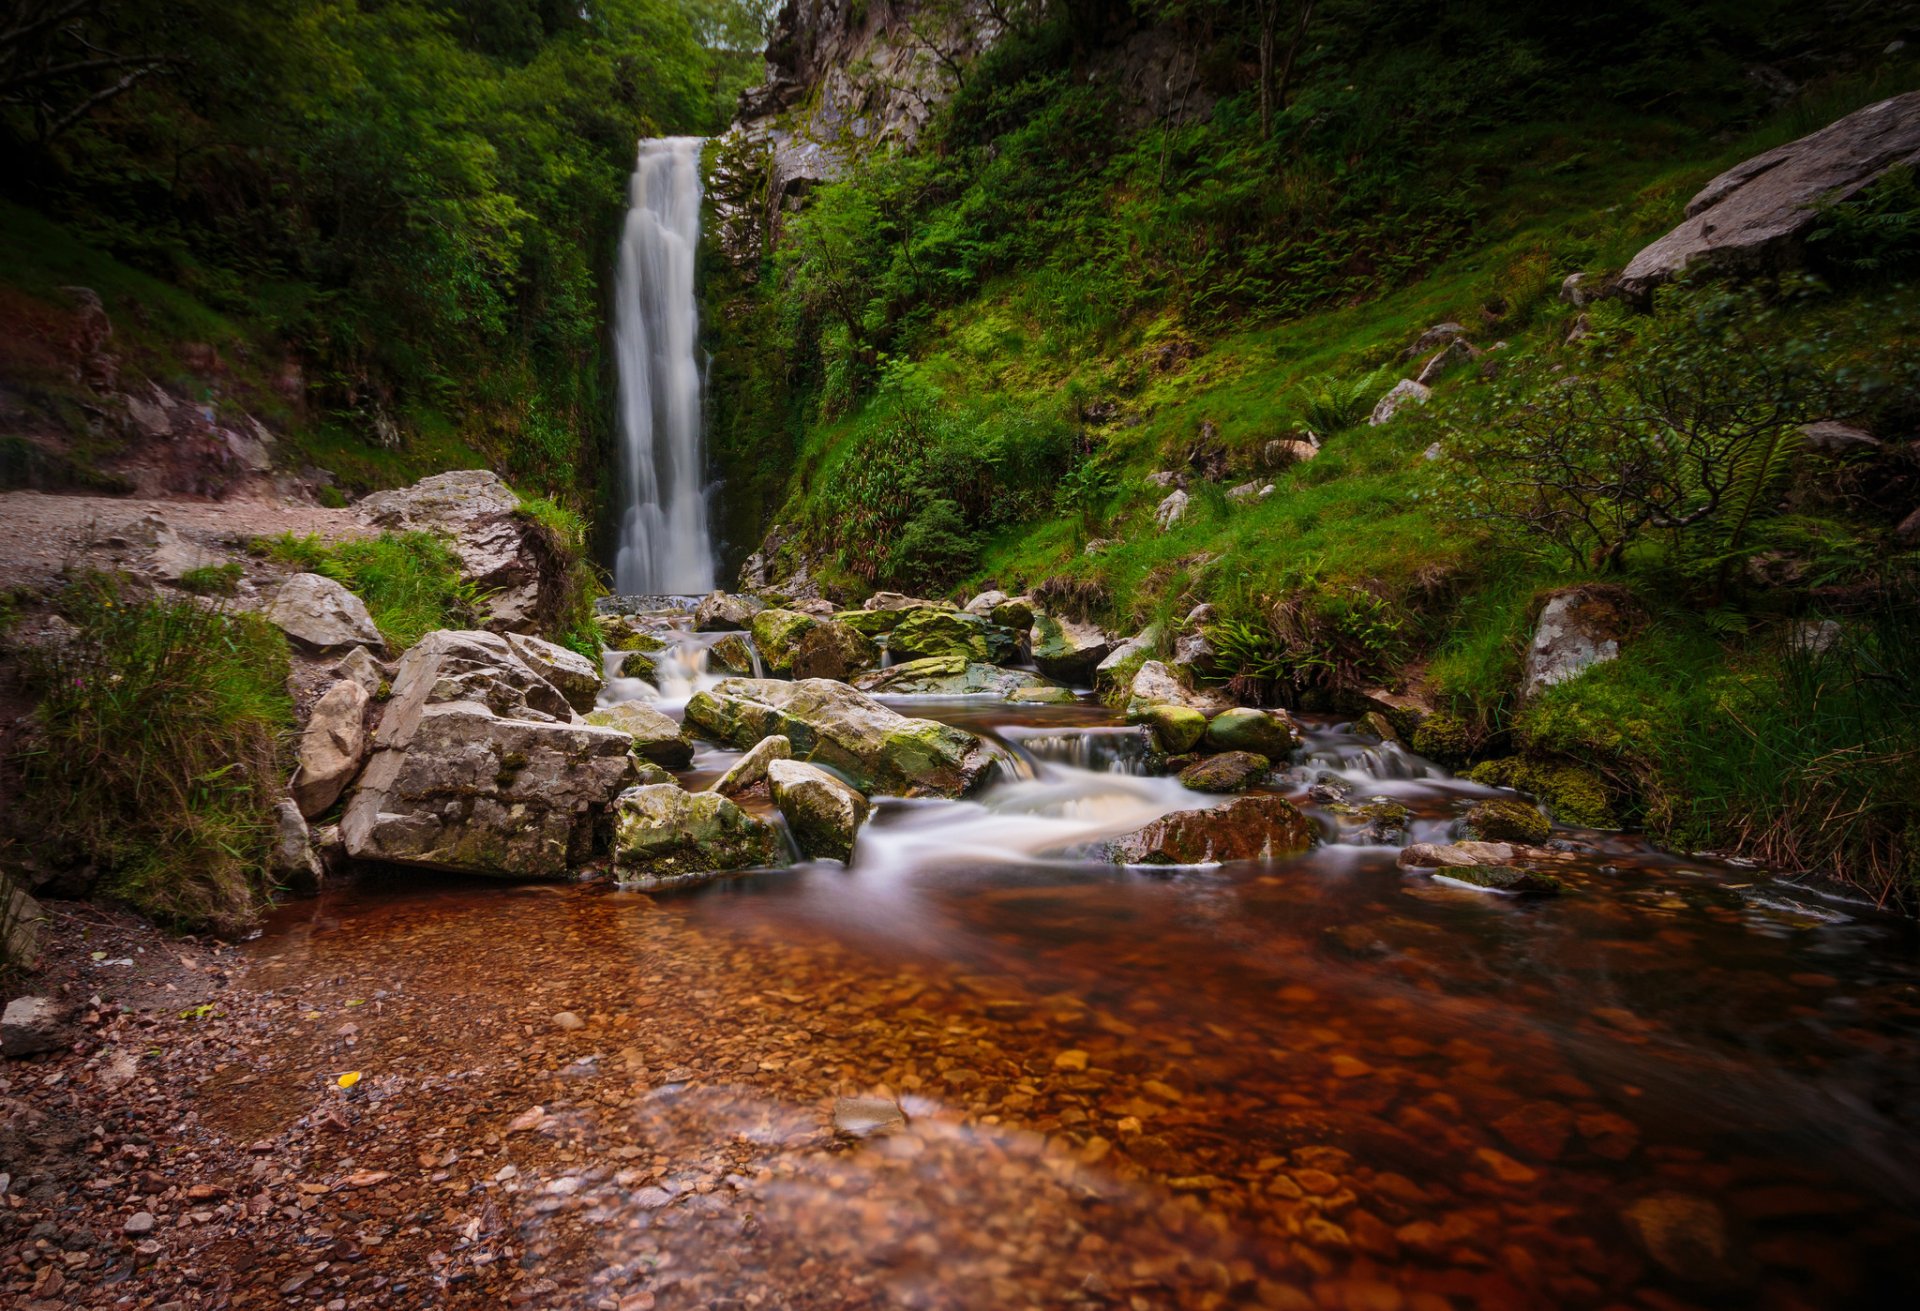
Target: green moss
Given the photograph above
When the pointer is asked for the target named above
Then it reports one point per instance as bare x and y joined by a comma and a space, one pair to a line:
1444, 738
1506, 821
1574, 795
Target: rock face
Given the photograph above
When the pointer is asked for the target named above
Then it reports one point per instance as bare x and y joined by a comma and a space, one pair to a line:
475, 510
1251, 828
1578, 629
332, 746
928, 633
571, 672
1268, 732
31, 1025
824, 813
725, 612
321, 615
664, 835
833, 650
881, 750
1066, 649
656, 737
1756, 215
478, 765
1230, 771
777, 634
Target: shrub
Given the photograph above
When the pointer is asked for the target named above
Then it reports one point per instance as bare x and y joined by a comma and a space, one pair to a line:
1329, 404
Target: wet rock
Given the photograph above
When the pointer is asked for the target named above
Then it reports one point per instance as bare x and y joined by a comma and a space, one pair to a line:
331, 748
1505, 878
294, 863
1405, 392
880, 749
1230, 771
629, 633
732, 654
777, 634
1176, 729
952, 675
865, 1117
321, 615
664, 836
927, 633
1378, 820
1754, 217
1250, 828
1154, 684
1268, 732
901, 601
477, 513
870, 623
1039, 695
569, 671
1375, 725
1455, 855
1500, 820
1578, 629
833, 650
1015, 613
31, 1025
823, 813
725, 611
656, 737
1687, 1236
750, 770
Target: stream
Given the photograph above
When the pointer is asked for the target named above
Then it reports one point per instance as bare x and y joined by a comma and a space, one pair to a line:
1320, 1081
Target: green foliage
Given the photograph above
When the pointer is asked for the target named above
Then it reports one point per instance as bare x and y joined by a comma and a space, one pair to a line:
1874, 234
1317, 638
1575, 795
410, 582
559, 538
1330, 405
213, 579
160, 751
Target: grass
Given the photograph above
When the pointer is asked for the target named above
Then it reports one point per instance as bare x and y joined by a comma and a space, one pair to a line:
160, 752
411, 582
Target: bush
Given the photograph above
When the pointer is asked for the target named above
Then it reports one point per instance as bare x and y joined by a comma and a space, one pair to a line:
160, 752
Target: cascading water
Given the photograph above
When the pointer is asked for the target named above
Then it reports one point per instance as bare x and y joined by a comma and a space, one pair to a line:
664, 542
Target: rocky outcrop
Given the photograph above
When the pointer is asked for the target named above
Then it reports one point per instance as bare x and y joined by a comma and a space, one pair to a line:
1066, 649
479, 765
1755, 217
571, 672
656, 737
476, 512
664, 835
1578, 629
823, 813
321, 615
1251, 828
332, 745
880, 749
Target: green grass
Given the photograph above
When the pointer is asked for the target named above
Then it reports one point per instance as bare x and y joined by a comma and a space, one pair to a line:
213, 579
411, 582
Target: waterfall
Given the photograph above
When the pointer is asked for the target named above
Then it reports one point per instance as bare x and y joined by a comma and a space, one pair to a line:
664, 542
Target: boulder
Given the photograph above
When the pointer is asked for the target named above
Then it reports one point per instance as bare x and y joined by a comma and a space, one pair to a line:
332, 745
1249, 828
321, 615
926, 633
477, 513
984, 603
31, 1025
629, 633
1403, 393
569, 671
1456, 855
656, 737
1230, 771
1506, 878
823, 813
294, 863
750, 770
360, 666
1832, 437
901, 601
1380, 821
814, 606
1176, 729
1755, 217
833, 650
869, 623
1015, 613
733, 654
1454, 352
776, 634
21, 920
1267, 732
478, 765
1113, 664
1578, 628
1154, 684
949, 675
880, 749
725, 612
1500, 820
1440, 334
1066, 649
664, 835
1171, 510
1283, 452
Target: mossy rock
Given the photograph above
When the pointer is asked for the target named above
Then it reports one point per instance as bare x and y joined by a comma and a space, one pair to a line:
638, 664
870, 623
1230, 771
732, 654
1572, 795
1505, 878
777, 634
1500, 820
656, 737
928, 633
664, 836
1176, 729
1015, 613
1264, 732
1378, 820
1444, 738
619, 634
1375, 725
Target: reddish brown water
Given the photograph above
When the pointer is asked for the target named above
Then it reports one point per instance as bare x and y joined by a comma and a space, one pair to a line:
1317, 1082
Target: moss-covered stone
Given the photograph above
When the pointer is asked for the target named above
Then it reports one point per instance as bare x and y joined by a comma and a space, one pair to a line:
1378, 820
927, 633
1500, 820
1230, 771
823, 813
1176, 729
1506, 878
1265, 732
656, 737
1572, 795
637, 664
620, 633
664, 836
833, 650
777, 634
732, 654
1374, 725
1444, 738
1015, 613
870, 623
1250, 828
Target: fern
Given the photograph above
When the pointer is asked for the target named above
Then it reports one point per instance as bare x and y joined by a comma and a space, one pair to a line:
1331, 404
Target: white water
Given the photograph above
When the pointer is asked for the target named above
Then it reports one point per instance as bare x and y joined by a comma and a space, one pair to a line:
664, 541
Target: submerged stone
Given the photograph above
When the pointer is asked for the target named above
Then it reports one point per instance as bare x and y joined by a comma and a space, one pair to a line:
664, 836
864, 1117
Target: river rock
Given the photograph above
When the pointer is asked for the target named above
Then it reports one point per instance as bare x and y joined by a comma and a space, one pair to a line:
321, 615
948, 675
751, 769
571, 672
1036, 694
1114, 663
1015, 612
1176, 729
901, 601
21, 922
1376, 726
1505, 878
725, 612
1578, 628
1754, 217
31, 1025
479, 766
477, 513
833, 650
1066, 649
1455, 855
823, 813
1194, 652
1688, 1237
360, 666
926, 633
776, 634
1230, 771
732, 654
656, 737
880, 749
664, 835
332, 745
867, 1117
1154, 684
869, 623
984, 603
1268, 732
1403, 393
1501, 820
1250, 828
293, 861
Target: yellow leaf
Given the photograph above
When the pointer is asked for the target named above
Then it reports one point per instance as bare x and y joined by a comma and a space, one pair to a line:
348, 1079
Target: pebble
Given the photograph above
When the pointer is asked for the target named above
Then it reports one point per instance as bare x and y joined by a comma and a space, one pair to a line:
568, 1021
140, 1222
863, 1117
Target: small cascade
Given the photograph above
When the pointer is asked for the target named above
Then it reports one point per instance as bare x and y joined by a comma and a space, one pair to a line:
1097, 750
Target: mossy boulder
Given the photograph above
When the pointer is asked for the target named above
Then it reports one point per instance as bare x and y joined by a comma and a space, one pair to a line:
927, 632
1375, 725
1066, 649
1507, 878
656, 737
1444, 738
1266, 732
870, 623
777, 634
1230, 771
833, 650
1176, 729
1037, 695
623, 633
1015, 613
664, 835
635, 664
1572, 795
1500, 820
948, 675
722, 612
1249, 828
823, 812
732, 654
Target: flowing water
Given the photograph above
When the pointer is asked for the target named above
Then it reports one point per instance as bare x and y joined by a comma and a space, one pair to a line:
1319, 1081
664, 542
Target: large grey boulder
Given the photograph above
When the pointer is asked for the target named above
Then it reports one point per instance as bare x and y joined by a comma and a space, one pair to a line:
1251, 828
725, 612
569, 671
656, 736
879, 748
1067, 649
1755, 216
321, 615
332, 745
479, 765
1578, 629
475, 511
823, 813
31, 1025
664, 835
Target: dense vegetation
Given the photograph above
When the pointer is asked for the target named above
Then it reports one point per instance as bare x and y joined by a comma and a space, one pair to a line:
976, 358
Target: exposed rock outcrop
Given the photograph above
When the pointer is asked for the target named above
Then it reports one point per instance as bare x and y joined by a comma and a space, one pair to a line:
475, 511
